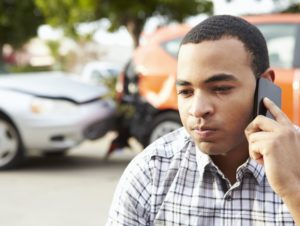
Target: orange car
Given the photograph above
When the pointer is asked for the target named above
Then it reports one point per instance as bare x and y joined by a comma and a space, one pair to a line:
148, 82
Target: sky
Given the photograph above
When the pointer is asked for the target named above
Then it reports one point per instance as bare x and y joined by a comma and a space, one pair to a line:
242, 7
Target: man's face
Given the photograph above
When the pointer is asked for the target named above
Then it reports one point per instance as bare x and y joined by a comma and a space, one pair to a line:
215, 86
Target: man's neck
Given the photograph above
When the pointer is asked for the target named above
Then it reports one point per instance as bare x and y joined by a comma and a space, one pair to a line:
229, 163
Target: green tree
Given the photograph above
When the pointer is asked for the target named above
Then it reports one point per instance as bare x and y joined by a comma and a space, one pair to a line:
19, 20
135, 13
295, 8
131, 14
66, 14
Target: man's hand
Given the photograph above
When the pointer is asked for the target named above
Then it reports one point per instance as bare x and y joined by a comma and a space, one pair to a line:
276, 145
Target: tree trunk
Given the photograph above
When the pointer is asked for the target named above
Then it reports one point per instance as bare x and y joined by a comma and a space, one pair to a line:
1, 58
135, 27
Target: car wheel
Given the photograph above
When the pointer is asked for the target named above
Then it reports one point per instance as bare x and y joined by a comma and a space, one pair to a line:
164, 123
11, 148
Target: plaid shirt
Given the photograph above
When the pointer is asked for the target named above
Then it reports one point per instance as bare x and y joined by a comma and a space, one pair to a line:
170, 183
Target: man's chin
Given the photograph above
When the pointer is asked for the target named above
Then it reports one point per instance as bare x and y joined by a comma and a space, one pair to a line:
211, 148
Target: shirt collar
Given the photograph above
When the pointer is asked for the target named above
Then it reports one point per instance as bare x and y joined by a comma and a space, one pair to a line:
253, 167
204, 162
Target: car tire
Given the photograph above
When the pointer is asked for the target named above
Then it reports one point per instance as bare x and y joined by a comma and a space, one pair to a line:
163, 123
11, 147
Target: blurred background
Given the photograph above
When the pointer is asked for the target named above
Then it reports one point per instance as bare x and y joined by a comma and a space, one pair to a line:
85, 85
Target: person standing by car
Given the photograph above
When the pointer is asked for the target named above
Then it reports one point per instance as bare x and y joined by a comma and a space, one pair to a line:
225, 166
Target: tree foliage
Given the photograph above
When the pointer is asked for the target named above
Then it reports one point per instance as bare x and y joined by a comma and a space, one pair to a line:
19, 20
67, 14
295, 8
132, 14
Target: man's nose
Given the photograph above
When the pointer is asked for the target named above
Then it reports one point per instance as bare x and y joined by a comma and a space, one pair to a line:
201, 106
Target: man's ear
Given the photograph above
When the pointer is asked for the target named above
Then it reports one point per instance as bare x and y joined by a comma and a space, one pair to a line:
269, 74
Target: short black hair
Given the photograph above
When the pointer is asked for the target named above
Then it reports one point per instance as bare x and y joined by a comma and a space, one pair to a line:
217, 27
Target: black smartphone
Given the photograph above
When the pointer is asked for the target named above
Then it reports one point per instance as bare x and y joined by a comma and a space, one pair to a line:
266, 88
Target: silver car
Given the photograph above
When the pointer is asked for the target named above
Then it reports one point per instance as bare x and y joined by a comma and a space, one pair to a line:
49, 112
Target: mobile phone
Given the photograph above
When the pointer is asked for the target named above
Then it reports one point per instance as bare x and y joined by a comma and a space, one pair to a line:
266, 88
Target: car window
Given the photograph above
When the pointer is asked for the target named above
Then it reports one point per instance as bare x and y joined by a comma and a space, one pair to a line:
172, 46
281, 40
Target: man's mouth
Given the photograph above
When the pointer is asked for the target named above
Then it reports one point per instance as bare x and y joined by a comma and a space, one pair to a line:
204, 132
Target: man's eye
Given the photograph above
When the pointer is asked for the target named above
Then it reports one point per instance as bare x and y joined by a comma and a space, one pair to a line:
222, 88
185, 92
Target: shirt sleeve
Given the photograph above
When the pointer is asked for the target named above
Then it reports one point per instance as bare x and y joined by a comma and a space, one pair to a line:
131, 201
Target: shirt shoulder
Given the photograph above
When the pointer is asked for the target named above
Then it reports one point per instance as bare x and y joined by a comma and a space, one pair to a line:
145, 174
168, 145
159, 155
133, 199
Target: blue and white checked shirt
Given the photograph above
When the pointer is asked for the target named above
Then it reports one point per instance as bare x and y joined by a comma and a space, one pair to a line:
170, 183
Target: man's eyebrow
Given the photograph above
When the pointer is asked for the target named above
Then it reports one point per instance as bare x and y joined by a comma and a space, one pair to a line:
220, 78
182, 83
214, 78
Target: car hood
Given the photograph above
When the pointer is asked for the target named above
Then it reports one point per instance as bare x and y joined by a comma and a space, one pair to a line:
56, 85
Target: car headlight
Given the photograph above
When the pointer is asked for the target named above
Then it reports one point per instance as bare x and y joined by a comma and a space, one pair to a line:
45, 106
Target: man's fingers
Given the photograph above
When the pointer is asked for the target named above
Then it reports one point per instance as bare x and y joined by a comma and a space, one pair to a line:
261, 123
278, 115
259, 136
255, 152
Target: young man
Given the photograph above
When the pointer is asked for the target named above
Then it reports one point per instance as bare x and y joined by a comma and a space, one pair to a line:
225, 167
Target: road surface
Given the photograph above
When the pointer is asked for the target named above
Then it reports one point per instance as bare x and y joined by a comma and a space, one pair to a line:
75, 190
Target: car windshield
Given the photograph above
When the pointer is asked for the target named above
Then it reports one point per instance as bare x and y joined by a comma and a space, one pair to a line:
281, 40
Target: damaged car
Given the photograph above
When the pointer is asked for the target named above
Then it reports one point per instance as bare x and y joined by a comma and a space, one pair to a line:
49, 113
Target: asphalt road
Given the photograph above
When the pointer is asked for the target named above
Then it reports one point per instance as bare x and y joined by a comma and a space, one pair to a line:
75, 190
